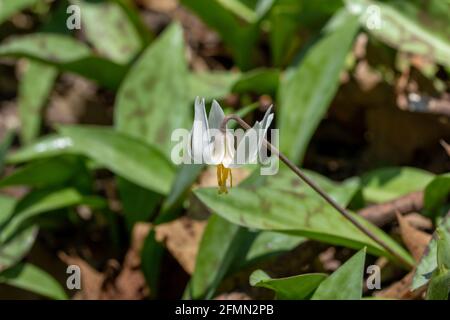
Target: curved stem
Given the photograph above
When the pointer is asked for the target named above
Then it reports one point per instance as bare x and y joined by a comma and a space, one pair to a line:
319, 190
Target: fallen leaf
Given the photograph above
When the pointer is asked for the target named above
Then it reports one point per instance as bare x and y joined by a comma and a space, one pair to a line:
117, 282
401, 289
233, 296
182, 238
415, 240
446, 146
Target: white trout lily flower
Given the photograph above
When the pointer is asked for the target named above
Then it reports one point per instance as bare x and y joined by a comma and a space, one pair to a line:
209, 144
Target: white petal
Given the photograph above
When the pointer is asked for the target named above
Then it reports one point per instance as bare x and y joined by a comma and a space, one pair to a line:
216, 116
200, 131
215, 151
229, 150
247, 150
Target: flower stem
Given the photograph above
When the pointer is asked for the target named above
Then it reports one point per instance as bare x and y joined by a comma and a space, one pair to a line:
319, 190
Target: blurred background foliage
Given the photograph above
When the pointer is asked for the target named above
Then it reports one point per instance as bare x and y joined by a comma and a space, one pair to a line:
360, 90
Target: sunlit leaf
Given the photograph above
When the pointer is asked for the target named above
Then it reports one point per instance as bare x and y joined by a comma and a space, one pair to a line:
29, 277
294, 213
401, 31
124, 155
11, 252
392, 182
154, 98
65, 53
108, 29
306, 92
35, 86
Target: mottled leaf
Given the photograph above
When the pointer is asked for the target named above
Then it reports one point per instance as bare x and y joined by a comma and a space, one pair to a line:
212, 85
124, 155
307, 90
108, 29
65, 53
402, 31
295, 213
154, 98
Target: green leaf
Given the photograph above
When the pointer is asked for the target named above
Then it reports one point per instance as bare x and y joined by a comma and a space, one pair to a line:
29, 277
294, 213
439, 287
216, 252
107, 28
185, 177
154, 98
7, 205
125, 156
290, 288
14, 250
238, 36
9, 8
65, 53
151, 256
286, 180
268, 243
346, 283
288, 16
386, 184
307, 91
48, 146
212, 85
436, 193
41, 173
35, 86
11, 252
260, 81
138, 204
428, 262
4, 146
42, 201
403, 32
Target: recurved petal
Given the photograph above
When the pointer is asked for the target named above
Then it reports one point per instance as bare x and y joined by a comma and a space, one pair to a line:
247, 149
216, 115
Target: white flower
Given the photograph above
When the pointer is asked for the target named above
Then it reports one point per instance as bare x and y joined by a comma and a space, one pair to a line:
210, 145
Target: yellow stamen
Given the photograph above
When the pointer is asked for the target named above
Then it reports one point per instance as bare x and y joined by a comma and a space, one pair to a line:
222, 177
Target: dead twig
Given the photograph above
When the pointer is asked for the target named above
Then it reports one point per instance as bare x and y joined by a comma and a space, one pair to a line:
384, 213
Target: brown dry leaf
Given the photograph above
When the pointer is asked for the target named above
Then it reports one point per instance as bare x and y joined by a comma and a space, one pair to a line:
418, 221
163, 6
233, 296
415, 240
401, 289
446, 147
182, 238
126, 282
